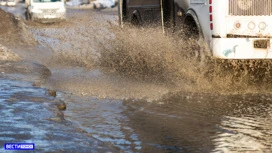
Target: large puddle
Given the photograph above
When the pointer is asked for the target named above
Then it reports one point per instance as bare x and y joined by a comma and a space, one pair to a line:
30, 115
185, 122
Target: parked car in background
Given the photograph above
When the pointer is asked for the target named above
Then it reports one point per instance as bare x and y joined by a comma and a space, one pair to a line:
8, 2
45, 10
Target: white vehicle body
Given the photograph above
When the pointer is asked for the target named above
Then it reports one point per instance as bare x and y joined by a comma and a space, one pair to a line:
45, 10
234, 29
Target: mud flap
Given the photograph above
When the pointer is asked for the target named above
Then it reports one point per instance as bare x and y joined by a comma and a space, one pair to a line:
162, 20
120, 12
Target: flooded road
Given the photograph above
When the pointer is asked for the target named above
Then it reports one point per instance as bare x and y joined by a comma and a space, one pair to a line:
193, 122
184, 122
30, 115
107, 110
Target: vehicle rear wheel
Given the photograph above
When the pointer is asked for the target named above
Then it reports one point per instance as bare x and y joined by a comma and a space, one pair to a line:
194, 36
195, 43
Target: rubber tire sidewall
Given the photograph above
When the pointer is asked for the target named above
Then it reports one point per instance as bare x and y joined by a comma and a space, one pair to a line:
200, 41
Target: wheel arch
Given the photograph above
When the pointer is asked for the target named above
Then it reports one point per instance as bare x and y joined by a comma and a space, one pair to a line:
191, 18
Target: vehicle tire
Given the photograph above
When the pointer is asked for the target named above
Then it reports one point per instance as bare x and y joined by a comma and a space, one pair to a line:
194, 36
194, 41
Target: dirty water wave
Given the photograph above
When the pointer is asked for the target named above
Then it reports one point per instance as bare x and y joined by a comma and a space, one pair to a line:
143, 55
148, 54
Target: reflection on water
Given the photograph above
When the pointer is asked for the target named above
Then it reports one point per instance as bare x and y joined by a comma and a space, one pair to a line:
103, 119
249, 135
184, 122
181, 122
251, 126
29, 115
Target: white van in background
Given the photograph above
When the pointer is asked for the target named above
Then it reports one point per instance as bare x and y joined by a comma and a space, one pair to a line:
45, 10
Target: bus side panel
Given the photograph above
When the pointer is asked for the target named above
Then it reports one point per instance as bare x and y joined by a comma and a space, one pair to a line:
183, 4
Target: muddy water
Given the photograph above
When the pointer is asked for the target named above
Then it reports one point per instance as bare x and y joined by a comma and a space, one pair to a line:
29, 115
192, 122
109, 107
183, 122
